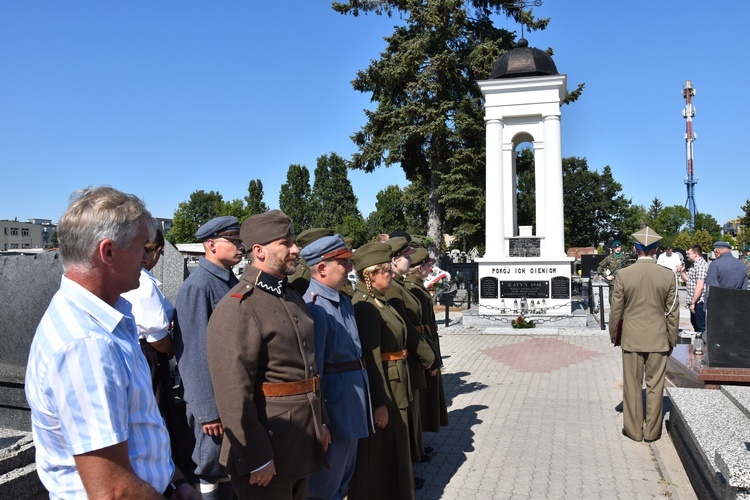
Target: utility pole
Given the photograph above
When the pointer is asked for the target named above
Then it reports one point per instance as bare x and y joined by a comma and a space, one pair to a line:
690, 181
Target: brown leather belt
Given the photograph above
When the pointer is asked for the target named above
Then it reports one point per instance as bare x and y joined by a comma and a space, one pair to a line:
346, 366
393, 356
420, 329
288, 388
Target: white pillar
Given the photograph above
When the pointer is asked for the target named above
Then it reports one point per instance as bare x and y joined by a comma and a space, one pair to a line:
540, 191
555, 234
494, 223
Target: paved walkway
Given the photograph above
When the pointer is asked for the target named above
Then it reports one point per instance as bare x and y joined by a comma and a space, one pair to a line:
536, 417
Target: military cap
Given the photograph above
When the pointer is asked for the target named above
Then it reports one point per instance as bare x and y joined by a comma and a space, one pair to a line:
327, 247
216, 226
349, 241
646, 238
265, 228
371, 254
400, 246
402, 234
416, 243
309, 235
615, 244
722, 244
421, 255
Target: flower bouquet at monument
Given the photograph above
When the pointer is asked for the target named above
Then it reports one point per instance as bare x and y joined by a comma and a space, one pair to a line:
522, 322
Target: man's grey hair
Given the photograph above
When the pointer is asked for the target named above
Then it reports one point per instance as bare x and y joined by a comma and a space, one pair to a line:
96, 214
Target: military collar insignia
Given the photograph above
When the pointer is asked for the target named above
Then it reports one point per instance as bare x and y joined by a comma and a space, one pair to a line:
270, 283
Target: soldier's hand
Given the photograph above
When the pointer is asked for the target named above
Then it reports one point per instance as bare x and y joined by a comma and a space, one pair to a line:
380, 414
213, 428
263, 476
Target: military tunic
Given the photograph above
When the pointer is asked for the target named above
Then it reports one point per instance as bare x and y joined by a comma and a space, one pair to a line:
421, 356
384, 468
433, 411
196, 300
262, 332
300, 280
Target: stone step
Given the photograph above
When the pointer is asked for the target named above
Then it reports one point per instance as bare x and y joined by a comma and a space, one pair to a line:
710, 433
740, 396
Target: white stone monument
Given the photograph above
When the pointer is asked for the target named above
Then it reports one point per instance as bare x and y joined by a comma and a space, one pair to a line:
520, 271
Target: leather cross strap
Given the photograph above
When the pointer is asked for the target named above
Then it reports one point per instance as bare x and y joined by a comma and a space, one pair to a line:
288, 388
346, 366
393, 356
420, 329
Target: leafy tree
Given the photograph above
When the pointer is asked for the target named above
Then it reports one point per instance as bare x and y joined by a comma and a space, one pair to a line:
709, 223
389, 211
429, 114
669, 221
702, 238
636, 218
745, 219
254, 199
526, 189
683, 240
190, 215
729, 239
355, 227
236, 208
332, 193
294, 197
53, 241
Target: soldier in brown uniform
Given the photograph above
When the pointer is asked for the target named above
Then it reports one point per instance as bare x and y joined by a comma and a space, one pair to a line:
260, 349
433, 409
384, 469
421, 354
645, 302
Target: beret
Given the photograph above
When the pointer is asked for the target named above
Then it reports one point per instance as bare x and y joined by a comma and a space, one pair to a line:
309, 235
400, 245
370, 255
217, 225
327, 247
616, 243
646, 238
722, 244
265, 228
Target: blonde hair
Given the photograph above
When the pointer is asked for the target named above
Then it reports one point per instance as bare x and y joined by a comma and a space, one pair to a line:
366, 273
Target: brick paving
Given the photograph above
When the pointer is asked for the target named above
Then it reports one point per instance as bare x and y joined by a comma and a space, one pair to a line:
534, 417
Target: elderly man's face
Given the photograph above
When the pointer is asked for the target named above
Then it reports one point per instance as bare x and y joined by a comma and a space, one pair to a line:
129, 261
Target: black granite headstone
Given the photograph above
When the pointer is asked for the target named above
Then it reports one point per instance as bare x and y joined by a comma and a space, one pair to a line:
560, 287
527, 289
488, 288
590, 263
728, 328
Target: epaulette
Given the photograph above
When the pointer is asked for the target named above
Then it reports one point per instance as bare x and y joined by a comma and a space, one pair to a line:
243, 293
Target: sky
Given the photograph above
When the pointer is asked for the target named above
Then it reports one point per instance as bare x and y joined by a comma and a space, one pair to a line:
163, 98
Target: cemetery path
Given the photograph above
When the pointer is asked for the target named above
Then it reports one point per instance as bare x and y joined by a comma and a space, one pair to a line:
537, 417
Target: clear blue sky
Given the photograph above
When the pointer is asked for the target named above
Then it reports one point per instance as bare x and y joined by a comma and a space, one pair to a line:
162, 98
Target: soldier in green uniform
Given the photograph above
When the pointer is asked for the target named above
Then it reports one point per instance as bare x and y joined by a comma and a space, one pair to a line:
300, 280
433, 410
384, 468
745, 259
609, 265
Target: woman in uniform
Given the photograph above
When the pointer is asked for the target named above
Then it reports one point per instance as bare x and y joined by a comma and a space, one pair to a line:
433, 410
383, 469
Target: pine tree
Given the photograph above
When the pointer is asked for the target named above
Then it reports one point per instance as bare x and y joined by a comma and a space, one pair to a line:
294, 197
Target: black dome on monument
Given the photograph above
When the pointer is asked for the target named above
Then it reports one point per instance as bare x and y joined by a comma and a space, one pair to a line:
523, 61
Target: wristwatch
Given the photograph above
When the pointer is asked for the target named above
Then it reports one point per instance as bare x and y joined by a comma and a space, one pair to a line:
172, 487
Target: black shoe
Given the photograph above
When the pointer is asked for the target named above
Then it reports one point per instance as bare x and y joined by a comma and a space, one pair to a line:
425, 459
429, 450
651, 440
418, 483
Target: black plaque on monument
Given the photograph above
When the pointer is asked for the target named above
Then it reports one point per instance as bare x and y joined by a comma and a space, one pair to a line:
521, 289
727, 328
524, 247
560, 287
488, 288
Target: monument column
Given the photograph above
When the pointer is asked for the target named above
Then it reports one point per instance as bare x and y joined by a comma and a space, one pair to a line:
555, 234
495, 224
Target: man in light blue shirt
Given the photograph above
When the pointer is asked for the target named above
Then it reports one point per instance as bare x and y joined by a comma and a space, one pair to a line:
346, 390
96, 426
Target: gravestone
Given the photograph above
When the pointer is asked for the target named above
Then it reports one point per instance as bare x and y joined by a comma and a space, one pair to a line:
728, 328
27, 285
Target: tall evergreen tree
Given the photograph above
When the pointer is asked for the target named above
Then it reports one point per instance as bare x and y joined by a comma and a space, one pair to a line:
415, 201
294, 197
254, 200
332, 193
429, 116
